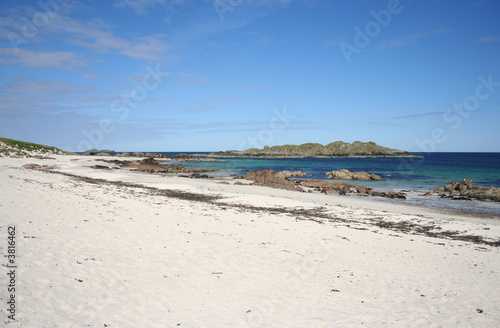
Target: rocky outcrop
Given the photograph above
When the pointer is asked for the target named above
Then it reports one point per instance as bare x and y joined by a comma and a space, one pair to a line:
348, 175
321, 183
334, 149
269, 178
151, 165
289, 174
191, 158
465, 190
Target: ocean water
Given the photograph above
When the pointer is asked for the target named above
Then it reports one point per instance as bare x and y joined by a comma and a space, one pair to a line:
432, 171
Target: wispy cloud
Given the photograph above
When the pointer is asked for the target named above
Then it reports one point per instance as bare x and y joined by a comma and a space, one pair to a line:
42, 59
200, 106
192, 77
100, 38
143, 7
417, 115
228, 99
21, 94
488, 38
404, 40
93, 35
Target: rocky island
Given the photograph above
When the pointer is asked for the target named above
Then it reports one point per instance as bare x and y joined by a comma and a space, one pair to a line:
334, 149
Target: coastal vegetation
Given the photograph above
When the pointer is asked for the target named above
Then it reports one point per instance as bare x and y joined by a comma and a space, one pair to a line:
334, 149
11, 147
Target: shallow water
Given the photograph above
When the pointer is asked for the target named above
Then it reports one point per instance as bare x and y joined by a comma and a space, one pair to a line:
431, 171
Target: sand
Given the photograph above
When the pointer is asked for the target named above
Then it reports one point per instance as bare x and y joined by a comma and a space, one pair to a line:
113, 248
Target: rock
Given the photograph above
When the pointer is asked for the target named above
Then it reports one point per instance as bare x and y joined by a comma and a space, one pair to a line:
439, 190
427, 194
238, 183
348, 175
198, 176
379, 194
345, 190
361, 189
223, 182
123, 155
299, 188
321, 183
465, 185
398, 195
269, 178
289, 174
331, 192
100, 167
150, 165
465, 190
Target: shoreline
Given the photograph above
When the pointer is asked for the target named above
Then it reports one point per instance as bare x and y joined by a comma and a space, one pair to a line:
212, 184
415, 197
123, 248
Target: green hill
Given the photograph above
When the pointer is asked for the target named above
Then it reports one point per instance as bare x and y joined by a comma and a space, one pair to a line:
11, 147
334, 149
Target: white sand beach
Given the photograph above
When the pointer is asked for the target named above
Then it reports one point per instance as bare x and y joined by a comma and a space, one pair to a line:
114, 248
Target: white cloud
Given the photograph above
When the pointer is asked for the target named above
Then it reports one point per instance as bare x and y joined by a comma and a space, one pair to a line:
41, 59
95, 36
394, 43
488, 38
99, 38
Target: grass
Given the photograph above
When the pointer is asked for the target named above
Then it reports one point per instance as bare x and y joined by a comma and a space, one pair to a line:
20, 147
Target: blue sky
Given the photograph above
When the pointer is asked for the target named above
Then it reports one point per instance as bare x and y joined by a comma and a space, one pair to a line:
186, 75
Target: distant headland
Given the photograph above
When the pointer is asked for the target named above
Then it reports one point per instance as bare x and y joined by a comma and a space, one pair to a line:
334, 149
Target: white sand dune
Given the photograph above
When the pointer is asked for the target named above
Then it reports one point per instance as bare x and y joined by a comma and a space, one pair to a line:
95, 254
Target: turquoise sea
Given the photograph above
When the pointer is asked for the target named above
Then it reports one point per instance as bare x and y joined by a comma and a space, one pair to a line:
432, 171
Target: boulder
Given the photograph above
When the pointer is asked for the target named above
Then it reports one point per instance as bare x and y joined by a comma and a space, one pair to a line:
269, 178
198, 176
467, 191
398, 195
361, 189
345, 189
331, 192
